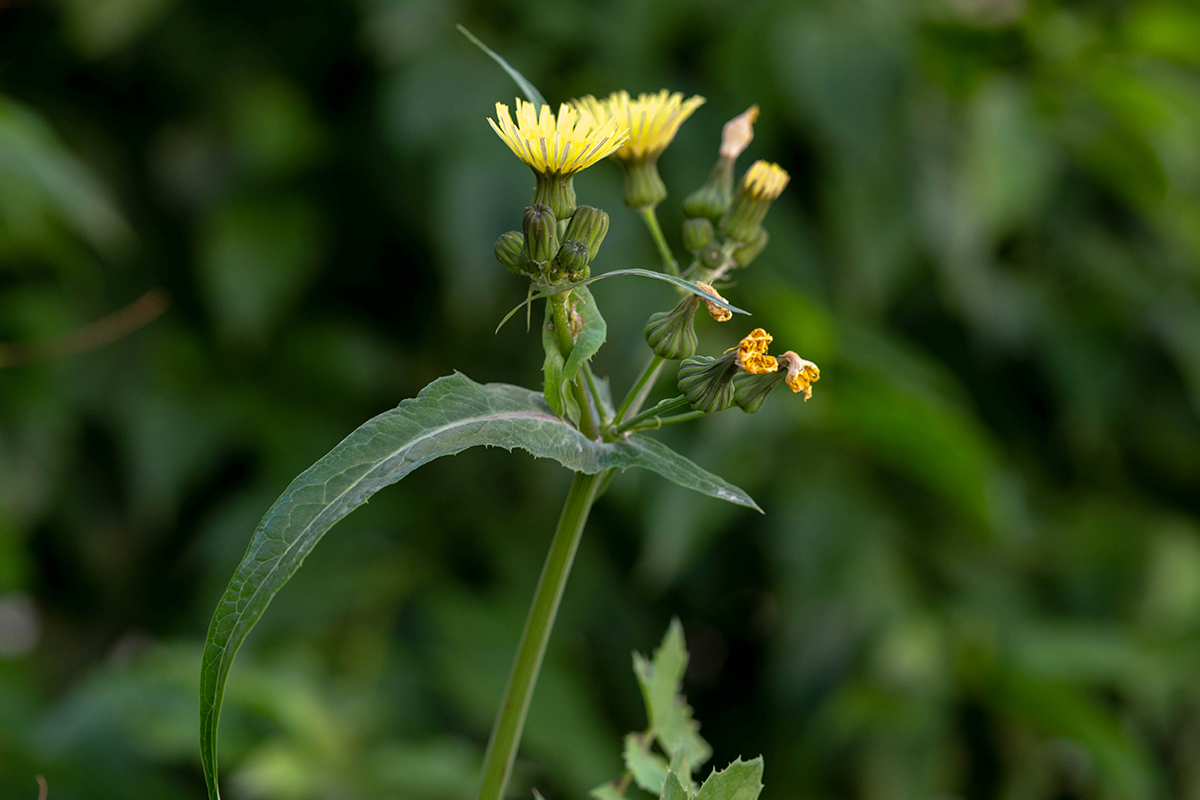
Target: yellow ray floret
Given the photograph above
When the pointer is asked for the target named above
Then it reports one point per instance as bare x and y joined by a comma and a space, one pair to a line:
801, 374
765, 180
557, 145
752, 353
652, 119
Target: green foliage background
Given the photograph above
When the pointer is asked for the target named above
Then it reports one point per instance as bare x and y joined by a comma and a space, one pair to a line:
979, 571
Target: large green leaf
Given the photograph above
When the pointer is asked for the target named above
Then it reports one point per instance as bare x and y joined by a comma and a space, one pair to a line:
447, 417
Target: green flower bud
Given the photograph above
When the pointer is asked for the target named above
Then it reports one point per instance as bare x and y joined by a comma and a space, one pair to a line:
711, 199
541, 233
712, 256
697, 234
762, 183
750, 391
707, 382
510, 251
643, 186
557, 192
749, 251
588, 225
672, 334
571, 262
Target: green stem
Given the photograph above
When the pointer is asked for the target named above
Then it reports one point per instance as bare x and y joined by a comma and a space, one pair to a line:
560, 305
664, 251
660, 422
640, 389
506, 735
657, 411
594, 389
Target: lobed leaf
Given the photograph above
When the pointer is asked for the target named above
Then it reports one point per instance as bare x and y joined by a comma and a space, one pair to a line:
448, 416
606, 791
648, 768
741, 780
673, 788
670, 715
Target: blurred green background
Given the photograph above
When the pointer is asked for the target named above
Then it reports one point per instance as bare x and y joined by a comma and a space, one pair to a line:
979, 571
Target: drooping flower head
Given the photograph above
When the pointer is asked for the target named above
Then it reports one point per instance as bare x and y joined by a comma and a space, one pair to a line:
556, 147
752, 353
801, 374
761, 184
652, 120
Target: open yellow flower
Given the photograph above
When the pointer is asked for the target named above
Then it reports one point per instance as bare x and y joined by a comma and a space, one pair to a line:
652, 120
556, 147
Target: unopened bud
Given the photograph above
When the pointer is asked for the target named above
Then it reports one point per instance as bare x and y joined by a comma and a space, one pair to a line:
750, 391
510, 251
697, 234
707, 382
541, 233
749, 251
588, 225
711, 199
712, 257
672, 334
762, 183
571, 261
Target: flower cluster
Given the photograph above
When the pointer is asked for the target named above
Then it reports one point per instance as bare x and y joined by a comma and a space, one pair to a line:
723, 230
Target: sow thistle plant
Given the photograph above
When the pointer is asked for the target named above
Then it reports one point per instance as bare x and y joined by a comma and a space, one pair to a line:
573, 420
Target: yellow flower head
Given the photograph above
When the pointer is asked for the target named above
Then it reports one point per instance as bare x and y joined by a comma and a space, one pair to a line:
752, 353
652, 119
765, 180
719, 313
801, 374
558, 145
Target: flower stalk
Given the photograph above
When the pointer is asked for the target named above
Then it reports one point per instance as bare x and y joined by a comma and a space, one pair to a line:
506, 734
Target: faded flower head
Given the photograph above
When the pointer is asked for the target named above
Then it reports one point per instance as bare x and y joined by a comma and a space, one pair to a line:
558, 145
652, 119
752, 353
738, 133
801, 374
719, 313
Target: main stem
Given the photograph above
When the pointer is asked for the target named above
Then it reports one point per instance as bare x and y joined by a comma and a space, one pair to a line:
506, 735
